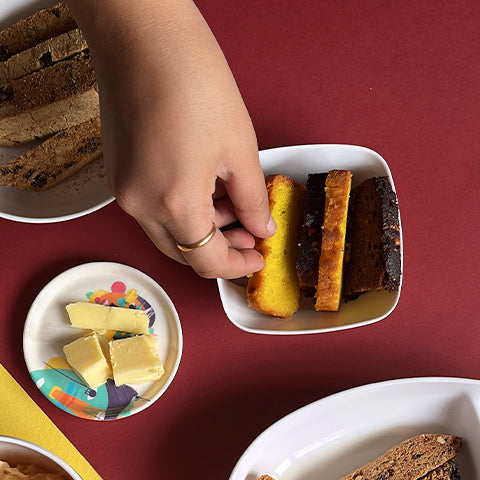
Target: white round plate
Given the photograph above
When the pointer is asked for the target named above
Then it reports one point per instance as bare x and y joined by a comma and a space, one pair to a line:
81, 194
297, 162
48, 329
334, 436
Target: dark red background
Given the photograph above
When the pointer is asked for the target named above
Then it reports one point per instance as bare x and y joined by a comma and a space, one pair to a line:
401, 78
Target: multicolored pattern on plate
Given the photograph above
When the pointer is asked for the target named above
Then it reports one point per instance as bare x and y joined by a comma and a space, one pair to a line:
59, 383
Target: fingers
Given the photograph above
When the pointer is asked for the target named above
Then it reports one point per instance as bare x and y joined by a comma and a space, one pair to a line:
225, 255
222, 257
163, 240
246, 189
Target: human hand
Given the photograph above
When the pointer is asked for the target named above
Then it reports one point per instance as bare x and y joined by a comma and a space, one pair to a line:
179, 145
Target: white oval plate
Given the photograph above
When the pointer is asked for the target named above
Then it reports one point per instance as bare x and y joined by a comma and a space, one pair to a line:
297, 162
47, 329
332, 437
81, 194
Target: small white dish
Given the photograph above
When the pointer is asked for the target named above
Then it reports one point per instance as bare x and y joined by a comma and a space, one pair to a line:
332, 437
16, 451
47, 329
297, 162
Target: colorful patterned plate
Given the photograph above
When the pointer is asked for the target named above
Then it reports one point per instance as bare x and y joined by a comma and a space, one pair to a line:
47, 330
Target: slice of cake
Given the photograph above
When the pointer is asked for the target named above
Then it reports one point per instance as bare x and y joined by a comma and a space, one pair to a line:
311, 236
447, 471
330, 266
415, 458
373, 234
42, 55
30, 31
275, 289
56, 159
49, 100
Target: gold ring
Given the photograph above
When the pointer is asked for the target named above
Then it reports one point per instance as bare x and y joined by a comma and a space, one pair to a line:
201, 243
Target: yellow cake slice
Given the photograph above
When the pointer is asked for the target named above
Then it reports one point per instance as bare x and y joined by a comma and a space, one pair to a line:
330, 267
275, 289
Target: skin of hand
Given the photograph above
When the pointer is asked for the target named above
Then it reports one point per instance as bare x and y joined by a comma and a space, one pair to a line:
179, 145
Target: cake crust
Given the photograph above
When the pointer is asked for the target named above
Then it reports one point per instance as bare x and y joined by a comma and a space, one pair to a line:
330, 266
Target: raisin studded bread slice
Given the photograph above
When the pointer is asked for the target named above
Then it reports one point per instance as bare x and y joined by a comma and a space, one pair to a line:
56, 159
412, 459
35, 29
447, 471
42, 55
45, 102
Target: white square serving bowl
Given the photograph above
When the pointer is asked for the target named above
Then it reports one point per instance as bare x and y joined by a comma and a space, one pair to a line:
297, 162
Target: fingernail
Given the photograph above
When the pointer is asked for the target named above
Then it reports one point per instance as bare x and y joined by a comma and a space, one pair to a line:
271, 226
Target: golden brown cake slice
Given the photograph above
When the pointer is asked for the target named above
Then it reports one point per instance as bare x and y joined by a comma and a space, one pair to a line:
412, 459
275, 290
30, 31
330, 266
56, 159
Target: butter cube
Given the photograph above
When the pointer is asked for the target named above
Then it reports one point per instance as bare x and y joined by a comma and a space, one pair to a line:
87, 358
135, 360
98, 317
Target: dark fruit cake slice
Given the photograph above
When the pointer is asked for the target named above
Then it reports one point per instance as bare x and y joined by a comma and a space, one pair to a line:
311, 236
373, 236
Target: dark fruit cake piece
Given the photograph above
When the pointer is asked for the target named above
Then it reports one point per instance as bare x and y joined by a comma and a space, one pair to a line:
311, 236
373, 236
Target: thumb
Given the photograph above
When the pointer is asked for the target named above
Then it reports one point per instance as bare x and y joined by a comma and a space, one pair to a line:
248, 194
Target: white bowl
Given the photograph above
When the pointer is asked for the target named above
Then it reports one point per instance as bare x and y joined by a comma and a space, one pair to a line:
16, 451
297, 162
